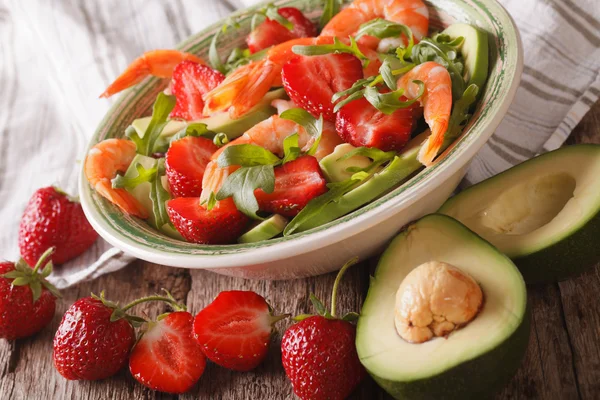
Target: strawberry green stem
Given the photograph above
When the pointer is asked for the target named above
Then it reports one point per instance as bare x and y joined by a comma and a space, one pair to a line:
275, 318
42, 260
338, 279
176, 306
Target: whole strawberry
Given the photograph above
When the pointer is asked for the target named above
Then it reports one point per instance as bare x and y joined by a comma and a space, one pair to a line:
319, 355
27, 300
93, 339
53, 219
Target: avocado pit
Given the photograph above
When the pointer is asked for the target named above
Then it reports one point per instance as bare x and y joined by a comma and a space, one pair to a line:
435, 299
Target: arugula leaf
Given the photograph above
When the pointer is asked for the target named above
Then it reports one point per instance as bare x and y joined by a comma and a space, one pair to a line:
387, 74
160, 111
291, 149
144, 175
336, 48
444, 53
246, 155
241, 186
378, 156
272, 12
317, 204
159, 197
356, 86
220, 139
387, 103
382, 29
212, 201
331, 8
213, 54
195, 129
312, 125
460, 115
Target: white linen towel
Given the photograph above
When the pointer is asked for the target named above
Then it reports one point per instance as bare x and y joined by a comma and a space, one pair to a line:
57, 56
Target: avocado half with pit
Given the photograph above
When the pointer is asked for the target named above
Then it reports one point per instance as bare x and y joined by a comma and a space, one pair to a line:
543, 213
470, 362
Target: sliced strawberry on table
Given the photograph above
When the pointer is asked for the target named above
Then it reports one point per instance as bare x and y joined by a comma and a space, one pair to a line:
271, 32
54, 219
185, 163
311, 81
167, 357
221, 225
361, 124
296, 183
234, 330
190, 81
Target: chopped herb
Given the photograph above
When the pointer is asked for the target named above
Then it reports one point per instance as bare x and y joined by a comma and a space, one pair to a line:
160, 112
336, 48
241, 185
144, 175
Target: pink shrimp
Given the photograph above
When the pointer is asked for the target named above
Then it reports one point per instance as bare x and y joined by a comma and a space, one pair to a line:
102, 163
247, 85
436, 102
412, 13
159, 63
269, 134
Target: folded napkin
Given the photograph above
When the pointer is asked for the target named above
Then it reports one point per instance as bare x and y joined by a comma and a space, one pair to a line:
57, 57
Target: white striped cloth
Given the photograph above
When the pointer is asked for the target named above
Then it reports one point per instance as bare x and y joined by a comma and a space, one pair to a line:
57, 56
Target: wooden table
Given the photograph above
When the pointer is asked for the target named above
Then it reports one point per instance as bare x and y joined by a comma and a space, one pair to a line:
562, 361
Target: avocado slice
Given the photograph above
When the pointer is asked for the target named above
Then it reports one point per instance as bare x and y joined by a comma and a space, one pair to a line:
474, 50
142, 191
335, 169
267, 229
221, 122
473, 361
543, 213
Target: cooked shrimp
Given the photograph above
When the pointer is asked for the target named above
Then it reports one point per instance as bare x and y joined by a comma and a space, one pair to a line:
436, 102
412, 13
269, 134
248, 84
102, 163
159, 63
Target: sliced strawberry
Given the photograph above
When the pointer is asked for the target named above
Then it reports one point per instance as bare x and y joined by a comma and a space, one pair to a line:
361, 124
190, 81
167, 357
235, 329
311, 81
271, 32
296, 183
185, 163
221, 225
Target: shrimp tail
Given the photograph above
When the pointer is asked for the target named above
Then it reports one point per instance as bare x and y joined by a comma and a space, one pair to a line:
431, 147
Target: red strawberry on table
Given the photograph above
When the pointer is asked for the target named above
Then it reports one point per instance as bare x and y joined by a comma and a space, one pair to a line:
93, 340
221, 225
311, 81
167, 357
271, 32
319, 355
185, 163
361, 124
190, 81
296, 183
53, 219
235, 329
27, 300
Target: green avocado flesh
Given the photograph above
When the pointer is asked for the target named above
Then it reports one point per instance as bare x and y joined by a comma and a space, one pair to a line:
543, 213
335, 169
142, 191
265, 230
472, 362
221, 122
474, 50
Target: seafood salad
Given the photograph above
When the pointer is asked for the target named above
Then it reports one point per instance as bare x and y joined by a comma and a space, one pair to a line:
308, 122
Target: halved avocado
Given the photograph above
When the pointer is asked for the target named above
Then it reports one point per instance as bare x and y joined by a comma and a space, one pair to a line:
543, 213
473, 361
221, 122
267, 229
474, 50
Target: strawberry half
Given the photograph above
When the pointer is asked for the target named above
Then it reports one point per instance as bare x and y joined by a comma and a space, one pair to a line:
185, 163
221, 225
361, 124
311, 81
270, 32
235, 329
190, 81
296, 183
167, 357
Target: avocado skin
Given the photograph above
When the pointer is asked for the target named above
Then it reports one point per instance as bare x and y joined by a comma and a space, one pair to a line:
479, 378
566, 258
